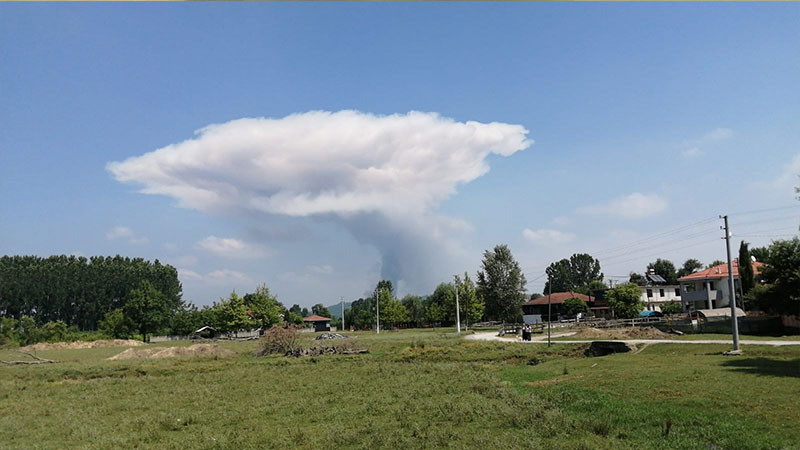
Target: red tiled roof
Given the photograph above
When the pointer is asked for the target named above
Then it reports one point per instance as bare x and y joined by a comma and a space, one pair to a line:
315, 318
719, 271
559, 297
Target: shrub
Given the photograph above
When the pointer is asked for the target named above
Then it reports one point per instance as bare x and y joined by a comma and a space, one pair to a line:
671, 307
55, 332
116, 325
278, 340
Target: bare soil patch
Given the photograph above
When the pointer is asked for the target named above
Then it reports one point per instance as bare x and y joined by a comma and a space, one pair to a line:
621, 333
206, 350
83, 344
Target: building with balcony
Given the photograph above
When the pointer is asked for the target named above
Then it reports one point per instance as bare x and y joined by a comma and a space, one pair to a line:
708, 289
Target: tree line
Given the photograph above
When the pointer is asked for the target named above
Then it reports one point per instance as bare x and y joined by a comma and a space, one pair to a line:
55, 297
79, 291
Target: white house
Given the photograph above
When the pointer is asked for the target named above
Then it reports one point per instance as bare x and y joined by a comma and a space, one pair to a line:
708, 289
657, 292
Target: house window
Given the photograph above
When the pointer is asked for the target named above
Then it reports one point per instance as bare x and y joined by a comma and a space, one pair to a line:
649, 293
677, 292
660, 292
710, 285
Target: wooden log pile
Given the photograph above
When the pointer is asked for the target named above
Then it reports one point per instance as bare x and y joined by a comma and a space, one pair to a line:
35, 360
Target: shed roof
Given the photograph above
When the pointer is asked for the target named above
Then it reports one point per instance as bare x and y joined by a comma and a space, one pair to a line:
720, 271
719, 312
316, 318
200, 330
559, 297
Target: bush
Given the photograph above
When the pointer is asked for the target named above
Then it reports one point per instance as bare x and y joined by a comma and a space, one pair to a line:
55, 332
671, 308
8, 332
278, 340
573, 306
116, 325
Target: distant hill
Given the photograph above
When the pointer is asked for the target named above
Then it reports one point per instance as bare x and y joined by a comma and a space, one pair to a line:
336, 309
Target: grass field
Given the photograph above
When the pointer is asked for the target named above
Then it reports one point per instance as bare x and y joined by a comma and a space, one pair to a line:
418, 388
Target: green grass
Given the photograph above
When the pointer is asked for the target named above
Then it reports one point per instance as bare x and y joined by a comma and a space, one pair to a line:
416, 388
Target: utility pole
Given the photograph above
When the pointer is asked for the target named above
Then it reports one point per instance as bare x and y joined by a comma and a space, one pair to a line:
731, 290
549, 309
378, 312
342, 300
458, 314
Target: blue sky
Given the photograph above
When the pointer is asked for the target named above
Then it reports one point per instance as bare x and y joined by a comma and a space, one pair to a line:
643, 118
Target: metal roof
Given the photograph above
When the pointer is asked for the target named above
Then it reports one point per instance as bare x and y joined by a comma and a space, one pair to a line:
719, 312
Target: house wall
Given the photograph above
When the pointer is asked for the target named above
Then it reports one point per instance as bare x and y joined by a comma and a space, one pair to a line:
655, 301
716, 290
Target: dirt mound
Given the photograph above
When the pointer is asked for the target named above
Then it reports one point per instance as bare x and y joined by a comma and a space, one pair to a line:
84, 344
212, 350
621, 333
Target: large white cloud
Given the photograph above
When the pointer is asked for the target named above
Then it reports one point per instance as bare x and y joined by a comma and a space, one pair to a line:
322, 162
359, 168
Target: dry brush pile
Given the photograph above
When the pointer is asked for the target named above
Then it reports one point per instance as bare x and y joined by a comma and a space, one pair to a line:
280, 340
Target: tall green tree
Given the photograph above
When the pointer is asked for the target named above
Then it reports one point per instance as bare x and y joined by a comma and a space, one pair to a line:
716, 262
437, 305
501, 285
689, 267
746, 274
585, 269
393, 313
147, 308
361, 314
320, 310
232, 314
637, 279
624, 300
559, 277
415, 309
264, 308
573, 274
384, 285
761, 253
666, 269
471, 306
780, 293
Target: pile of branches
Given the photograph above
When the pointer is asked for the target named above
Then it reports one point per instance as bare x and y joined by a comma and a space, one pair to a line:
35, 360
326, 336
278, 340
341, 349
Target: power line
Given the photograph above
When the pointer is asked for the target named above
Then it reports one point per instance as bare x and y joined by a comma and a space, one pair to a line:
756, 211
767, 235
696, 244
766, 231
657, 235
772, 219
662, 244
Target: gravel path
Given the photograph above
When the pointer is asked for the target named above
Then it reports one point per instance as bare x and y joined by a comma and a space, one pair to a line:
492, 336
